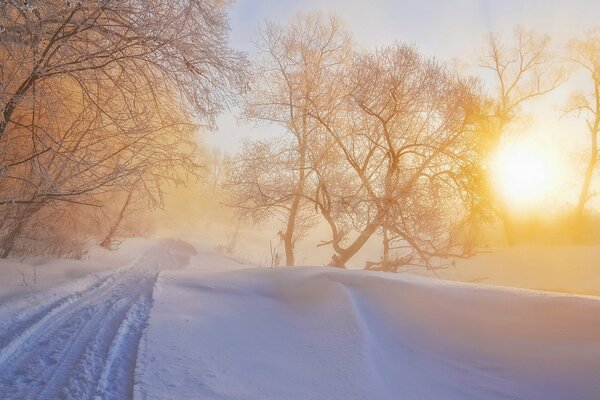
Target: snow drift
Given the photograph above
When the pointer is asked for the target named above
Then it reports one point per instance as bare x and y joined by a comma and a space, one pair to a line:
319, 333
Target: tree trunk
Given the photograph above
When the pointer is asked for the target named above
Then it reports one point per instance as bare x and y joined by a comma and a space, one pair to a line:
385, 258
13, 102
587, 181
509, 229
288, 245
8, 242
340, 259
288, 236
113, 229
584, 196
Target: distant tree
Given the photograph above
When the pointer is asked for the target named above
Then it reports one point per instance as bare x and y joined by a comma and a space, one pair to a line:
292, 70
585, 54
522, 71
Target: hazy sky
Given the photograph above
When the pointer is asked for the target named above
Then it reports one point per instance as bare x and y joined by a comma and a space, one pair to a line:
446, 29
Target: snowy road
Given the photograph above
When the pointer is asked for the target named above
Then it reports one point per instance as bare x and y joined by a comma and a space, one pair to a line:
83, 345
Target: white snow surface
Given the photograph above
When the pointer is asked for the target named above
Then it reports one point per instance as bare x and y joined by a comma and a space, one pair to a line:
79, 339
161, 319
322, 333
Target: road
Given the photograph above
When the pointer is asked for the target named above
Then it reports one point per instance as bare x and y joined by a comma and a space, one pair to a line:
83, 345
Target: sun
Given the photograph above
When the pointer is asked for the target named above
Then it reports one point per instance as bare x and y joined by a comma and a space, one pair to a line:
524, 173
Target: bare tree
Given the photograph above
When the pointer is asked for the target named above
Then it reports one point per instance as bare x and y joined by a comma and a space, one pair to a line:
377, 142
522, 72
263, 182
92, 149
183, 44
398, 160
585, 54
98, 96
291, 71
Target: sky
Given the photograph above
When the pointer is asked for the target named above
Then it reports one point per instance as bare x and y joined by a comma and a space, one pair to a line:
444, 29
441, 26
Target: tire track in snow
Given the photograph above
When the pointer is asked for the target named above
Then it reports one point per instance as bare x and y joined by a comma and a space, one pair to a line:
116, 381
84, 346
63, 354
14, 331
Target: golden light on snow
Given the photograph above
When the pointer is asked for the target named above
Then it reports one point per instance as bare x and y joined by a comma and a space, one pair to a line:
524, 173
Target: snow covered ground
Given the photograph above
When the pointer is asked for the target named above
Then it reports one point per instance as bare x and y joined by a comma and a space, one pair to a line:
161, 319
320, 333
79, 339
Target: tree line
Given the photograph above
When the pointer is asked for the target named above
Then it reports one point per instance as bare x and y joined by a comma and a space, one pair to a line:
386, 144
101, 102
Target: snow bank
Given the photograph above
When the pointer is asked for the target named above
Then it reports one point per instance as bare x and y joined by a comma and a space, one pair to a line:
319, 333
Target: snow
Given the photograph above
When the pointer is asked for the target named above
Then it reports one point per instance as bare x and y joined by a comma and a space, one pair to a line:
321, 333
162, 319
80, 340
30, 275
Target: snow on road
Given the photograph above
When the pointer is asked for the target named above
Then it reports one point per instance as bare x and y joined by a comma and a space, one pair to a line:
84, 344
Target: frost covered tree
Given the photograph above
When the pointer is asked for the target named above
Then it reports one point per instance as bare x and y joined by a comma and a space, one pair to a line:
376, 143
399, 157
291, 73
98, 96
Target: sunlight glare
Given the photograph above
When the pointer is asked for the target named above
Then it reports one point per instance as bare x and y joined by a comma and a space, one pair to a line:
524, 173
